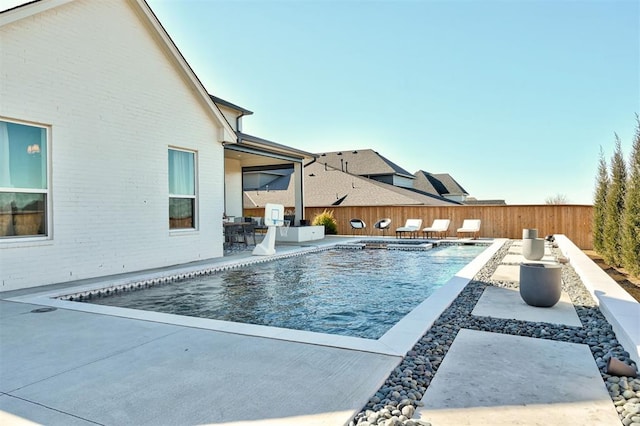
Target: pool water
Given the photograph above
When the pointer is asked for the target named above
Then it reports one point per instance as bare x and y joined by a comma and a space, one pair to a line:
360, 293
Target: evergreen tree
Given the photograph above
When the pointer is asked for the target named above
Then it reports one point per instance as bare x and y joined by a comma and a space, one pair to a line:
631, 224
612, 253
599, 204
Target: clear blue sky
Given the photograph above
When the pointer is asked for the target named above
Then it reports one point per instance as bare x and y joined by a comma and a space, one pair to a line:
512, 98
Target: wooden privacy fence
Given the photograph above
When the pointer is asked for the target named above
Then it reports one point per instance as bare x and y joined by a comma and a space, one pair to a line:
574, 221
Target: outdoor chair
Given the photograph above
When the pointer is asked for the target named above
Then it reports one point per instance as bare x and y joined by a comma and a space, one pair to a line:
470, 226
383, 225
248, 229
412, 226
438, 227
357, 224
234, 234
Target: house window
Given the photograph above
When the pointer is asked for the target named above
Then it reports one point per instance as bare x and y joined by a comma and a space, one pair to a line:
24, 189
182, 189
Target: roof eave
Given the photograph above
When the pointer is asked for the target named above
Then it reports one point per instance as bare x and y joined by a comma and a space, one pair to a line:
254, 141
228, 104
27, 9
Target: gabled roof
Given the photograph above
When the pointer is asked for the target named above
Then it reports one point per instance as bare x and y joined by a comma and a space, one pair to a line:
152, 23
441, 183
222, 102
421, 183
326, 186
363, 162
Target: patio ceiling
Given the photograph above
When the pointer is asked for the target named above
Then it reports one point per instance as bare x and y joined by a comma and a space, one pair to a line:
271, 152
248, 159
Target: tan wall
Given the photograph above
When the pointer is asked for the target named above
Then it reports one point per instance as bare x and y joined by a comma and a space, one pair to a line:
574, 221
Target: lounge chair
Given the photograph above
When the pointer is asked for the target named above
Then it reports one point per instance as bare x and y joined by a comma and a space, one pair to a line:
470, 226
439, 226
412, 226
357, 224
383, 225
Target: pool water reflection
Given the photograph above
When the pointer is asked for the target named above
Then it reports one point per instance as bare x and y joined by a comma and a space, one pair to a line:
359, 293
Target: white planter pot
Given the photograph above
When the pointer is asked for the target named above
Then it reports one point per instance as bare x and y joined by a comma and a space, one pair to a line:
533, 248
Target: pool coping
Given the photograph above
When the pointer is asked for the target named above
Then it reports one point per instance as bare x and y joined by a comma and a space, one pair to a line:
395, 342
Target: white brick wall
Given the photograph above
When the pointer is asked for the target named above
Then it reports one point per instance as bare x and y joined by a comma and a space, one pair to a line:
94, 73
233, 186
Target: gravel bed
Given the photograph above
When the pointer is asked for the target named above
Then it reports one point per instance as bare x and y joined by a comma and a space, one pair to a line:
396, 401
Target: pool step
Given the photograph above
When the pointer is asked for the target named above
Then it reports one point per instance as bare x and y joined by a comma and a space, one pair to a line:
410, 247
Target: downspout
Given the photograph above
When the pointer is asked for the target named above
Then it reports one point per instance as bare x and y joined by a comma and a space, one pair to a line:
239, 126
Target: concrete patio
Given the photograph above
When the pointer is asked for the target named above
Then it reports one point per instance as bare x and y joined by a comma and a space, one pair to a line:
66, 367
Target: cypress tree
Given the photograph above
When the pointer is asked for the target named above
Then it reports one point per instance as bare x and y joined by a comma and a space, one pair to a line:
612, 253
631, 224
599, 204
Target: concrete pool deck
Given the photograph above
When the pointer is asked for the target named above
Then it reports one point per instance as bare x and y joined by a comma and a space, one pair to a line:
75, 367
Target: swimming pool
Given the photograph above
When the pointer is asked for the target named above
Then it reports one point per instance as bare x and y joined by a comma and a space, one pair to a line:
360, 293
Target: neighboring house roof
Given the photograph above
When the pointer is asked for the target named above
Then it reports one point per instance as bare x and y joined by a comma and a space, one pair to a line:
363, 162
269, 174
279, 191
326, 186
474, 201
280, 183
421, 183
144, 12
440, 183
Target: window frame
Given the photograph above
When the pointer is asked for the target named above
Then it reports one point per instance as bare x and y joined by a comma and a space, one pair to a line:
193, 197
48, 203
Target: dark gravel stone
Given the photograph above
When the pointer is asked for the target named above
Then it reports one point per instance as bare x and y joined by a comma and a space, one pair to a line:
406, 385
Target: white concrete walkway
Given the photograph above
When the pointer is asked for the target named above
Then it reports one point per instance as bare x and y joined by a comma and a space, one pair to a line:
501, 380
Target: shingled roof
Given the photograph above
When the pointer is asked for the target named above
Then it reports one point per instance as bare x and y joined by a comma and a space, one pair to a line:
363, 162
440, 183
325, 186
474, 201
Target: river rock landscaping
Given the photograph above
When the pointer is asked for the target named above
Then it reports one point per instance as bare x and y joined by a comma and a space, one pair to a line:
396, 401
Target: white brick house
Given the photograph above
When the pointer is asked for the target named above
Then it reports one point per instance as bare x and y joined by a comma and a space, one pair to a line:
112, 153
